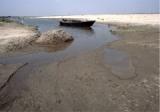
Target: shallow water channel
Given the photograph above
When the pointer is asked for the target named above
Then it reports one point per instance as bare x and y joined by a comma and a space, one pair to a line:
85, 39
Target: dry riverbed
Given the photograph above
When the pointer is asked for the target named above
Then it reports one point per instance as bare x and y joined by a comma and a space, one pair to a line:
121, 76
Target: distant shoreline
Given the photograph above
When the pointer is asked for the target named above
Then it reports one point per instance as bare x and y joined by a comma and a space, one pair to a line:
135, 19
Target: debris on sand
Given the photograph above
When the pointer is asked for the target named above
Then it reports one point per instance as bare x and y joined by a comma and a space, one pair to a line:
54, 37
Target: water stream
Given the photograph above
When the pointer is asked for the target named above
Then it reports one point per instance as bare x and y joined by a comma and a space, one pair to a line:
85, 39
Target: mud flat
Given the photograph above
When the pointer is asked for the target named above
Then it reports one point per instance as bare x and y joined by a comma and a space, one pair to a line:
122, 76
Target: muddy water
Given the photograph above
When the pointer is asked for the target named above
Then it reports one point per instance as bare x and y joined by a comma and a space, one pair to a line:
86, 39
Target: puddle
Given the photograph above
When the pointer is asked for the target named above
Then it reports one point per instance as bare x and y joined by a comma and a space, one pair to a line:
120, 63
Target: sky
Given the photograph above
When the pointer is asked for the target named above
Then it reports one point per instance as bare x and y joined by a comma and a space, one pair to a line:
76, 7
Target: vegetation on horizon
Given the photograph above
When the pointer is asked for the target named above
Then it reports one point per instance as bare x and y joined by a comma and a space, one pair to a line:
5, 19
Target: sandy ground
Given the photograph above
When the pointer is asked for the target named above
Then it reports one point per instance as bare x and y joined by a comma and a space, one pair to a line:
90, 82
7, 72
138, 19
14, 36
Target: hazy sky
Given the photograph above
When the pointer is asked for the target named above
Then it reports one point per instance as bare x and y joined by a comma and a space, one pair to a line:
70, 7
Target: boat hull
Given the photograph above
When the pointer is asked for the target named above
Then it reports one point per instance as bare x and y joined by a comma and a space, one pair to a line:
78, 24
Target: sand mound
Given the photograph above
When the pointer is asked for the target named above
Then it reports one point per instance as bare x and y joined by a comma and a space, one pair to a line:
54, 37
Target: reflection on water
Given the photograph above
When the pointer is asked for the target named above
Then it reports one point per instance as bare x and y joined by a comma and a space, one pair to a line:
79, 32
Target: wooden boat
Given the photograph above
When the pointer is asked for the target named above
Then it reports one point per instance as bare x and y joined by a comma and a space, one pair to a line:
77, 23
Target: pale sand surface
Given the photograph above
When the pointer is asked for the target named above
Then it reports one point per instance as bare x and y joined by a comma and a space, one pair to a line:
13, 36
139, 19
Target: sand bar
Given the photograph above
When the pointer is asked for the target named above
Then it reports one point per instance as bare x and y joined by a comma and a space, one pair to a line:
137, 19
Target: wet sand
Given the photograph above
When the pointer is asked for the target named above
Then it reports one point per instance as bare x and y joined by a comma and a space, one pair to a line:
94, 81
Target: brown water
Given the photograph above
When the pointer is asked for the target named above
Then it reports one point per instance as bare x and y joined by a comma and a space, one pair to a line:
85, 39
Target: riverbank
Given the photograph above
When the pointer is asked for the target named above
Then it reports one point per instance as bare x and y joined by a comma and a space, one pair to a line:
15, 36
119, 76
134, 19
91, 81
